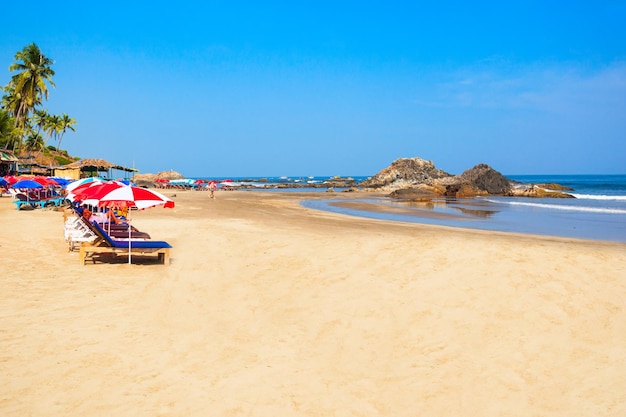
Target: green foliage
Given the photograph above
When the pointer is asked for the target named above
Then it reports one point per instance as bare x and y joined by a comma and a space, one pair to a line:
34, 142
21, 115
32, 73
63, 160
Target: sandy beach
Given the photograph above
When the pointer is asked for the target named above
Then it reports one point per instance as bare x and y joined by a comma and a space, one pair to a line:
272, 309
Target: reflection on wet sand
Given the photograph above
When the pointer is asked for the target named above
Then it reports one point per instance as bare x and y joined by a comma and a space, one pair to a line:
478, 210
477, 213
445, 209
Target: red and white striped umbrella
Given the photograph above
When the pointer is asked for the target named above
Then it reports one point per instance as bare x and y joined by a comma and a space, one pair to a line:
90, 193
132, 196
73, 185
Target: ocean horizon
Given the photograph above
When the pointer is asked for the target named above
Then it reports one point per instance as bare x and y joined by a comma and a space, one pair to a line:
598, 211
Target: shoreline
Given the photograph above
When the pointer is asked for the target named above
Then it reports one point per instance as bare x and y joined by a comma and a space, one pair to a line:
496, 214
270, 308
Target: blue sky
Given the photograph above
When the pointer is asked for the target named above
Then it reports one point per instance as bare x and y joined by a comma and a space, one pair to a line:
334, 87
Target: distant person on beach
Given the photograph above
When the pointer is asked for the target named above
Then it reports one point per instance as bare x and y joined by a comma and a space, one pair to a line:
212, 188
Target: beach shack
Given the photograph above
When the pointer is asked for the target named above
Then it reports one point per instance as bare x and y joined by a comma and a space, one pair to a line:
28, 165
8, 163
92, 167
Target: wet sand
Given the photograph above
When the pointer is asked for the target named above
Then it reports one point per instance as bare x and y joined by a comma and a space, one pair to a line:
269, 309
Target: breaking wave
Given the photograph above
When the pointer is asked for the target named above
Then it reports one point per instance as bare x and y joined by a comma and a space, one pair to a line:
578, 208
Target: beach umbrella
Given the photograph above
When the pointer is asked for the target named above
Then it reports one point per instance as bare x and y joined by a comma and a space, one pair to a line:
91, 192
61, 181
11, 179
71, 186
133, 197
45, 181
3, 182
26, 184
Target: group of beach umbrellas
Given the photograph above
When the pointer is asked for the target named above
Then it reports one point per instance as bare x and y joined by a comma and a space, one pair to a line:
30, 183
94, 191
117, 194
97, 192
22, 182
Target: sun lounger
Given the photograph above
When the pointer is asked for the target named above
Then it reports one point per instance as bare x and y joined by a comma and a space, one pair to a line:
77, 232
120, 231
22, 200
104, 243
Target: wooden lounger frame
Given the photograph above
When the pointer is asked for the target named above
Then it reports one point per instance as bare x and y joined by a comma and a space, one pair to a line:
105, 244
88, 250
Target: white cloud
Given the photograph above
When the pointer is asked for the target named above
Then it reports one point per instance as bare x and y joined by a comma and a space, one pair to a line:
558, 88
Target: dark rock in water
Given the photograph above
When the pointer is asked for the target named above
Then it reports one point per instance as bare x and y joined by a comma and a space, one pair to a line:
417, 193
480, 180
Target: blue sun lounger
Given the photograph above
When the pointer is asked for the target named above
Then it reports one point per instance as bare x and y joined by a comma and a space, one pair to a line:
23, 201
106, 244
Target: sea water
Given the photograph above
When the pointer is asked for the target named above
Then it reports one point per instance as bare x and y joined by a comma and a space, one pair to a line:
281, 183
598, 212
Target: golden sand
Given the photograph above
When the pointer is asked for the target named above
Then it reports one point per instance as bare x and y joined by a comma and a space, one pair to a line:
272, 309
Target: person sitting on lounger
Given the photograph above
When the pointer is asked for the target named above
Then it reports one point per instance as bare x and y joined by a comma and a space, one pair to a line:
86, 213
112, 218
104, 217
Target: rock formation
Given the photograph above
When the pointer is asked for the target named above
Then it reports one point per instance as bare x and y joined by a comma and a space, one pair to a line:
541, 190
479, 180
147, 180
405, 173
170, 175
418, 179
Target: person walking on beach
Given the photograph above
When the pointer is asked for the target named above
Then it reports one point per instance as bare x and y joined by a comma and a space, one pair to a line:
212, 188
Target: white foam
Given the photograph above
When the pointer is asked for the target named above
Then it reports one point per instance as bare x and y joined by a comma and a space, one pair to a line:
600, 197
563, 207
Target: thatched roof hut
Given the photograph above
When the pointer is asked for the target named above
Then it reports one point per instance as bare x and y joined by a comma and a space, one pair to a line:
90, 167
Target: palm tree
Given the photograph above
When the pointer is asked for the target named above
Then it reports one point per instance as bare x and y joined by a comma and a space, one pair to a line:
52, 125
65, 122
28, 86
39, 119
9, 134
35, 142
